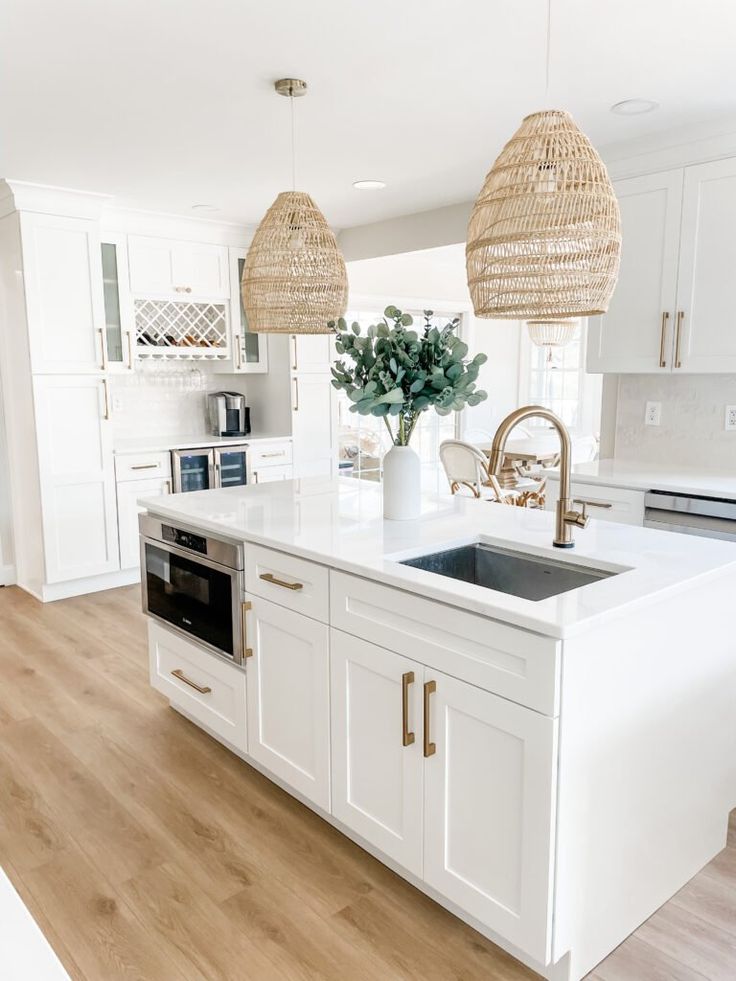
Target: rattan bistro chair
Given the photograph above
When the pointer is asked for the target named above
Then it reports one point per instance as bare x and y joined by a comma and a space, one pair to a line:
466, 466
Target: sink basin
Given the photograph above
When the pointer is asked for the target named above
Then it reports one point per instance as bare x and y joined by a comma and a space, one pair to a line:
526, 576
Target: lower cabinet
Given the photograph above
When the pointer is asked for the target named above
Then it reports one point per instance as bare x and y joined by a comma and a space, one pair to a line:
129, 492
452, 782
288, 697
377, 772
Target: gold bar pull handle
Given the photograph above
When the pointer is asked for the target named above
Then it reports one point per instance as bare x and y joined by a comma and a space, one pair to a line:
106, 390
131, 355
663, 339
295, 364
202, 689
238, 353
430, 748
678, 338
269, 577
247, 651
407, 738
295, 405
103, 352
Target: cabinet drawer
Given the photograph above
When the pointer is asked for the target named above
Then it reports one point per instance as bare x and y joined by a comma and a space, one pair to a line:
606, 503
220, 706
516, 664
142, 466
267, 475
269, 455
295, 583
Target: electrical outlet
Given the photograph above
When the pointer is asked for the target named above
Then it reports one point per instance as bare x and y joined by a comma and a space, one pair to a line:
730, 417
117, 403
653, 414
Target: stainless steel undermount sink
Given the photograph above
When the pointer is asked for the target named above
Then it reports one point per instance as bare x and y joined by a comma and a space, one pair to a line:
526, 576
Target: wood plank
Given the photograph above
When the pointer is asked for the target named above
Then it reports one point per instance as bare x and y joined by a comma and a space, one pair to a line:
692, 941
635, 960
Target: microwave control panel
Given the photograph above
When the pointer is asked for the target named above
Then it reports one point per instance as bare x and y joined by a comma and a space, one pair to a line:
195, 543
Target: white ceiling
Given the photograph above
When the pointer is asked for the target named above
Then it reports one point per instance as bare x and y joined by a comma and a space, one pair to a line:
168, 103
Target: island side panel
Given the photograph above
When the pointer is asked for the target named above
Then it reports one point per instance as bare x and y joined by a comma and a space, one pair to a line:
647, 768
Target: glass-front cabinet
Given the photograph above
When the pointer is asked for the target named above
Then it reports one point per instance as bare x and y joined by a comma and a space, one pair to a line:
250, 351
230, 467
206, 467
118, 340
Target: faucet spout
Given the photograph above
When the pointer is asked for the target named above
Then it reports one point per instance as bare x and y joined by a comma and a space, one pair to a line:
567, 517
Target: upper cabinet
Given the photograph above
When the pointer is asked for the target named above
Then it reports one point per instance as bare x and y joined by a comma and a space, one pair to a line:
119, 334
250, 351
62, 264
178, 270
672, 310
311, 353
705, 301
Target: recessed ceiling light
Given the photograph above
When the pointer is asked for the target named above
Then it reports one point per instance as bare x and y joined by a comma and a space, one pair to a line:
634, 107
371, 185
204, 207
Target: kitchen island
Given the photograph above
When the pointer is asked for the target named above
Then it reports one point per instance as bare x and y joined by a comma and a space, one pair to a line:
551, 770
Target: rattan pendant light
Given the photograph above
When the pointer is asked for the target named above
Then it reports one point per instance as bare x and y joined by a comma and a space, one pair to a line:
544, 236
552, 333
294, 278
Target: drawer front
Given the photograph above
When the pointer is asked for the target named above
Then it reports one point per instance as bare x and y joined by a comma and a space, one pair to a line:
266, 475
515, 664
291, 582
177, 666
263, 455
606, 503
142, 466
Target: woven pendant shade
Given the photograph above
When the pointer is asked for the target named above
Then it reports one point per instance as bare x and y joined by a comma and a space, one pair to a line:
294, 278
552, 333
544, 237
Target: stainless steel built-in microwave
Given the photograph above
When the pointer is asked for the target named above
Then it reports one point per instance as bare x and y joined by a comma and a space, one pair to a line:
209, 466
194, 584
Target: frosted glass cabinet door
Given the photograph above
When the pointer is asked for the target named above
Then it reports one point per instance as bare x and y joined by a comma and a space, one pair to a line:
80, 528
707, 262
488, 811
250, 351
635, 336
64, 300
377, 766
119, 318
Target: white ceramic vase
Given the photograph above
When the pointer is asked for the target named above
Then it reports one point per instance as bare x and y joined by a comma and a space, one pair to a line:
402, 479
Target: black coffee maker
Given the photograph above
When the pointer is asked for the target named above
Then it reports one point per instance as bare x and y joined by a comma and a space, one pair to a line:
229, 415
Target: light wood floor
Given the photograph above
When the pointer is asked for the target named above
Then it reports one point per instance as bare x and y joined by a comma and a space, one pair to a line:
147, 851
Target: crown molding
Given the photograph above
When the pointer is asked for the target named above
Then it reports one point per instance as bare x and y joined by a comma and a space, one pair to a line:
24, 196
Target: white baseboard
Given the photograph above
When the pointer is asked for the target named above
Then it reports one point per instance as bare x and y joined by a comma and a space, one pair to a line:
92, 584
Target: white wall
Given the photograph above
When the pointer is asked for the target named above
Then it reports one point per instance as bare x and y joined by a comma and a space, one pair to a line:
7, 561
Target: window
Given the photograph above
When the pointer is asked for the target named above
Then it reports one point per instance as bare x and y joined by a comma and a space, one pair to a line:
364, 439
555, 377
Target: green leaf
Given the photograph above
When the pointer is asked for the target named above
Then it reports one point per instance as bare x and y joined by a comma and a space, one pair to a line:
390, 312
393, 366
395, 395
356, 328
407, 320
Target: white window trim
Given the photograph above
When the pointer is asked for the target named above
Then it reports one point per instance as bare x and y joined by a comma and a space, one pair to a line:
590, 385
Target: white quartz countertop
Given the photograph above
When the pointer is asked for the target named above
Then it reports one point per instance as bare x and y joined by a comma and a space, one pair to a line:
339, 523
155, 444
659, 476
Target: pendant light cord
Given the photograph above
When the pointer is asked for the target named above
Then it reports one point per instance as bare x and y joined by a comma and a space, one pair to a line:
293, 145
549, 49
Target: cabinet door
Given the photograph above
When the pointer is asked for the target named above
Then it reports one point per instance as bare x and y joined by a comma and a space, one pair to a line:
489, 810
193, 470
230, 467
707, 262
268, 475
313, 426
119, 318
128, 494
250, 351
636, 335
181, 270
377, 761
77, 476
289, 697
63, 282
311, 352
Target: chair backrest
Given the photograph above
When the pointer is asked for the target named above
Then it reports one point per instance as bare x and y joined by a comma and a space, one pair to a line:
464, 464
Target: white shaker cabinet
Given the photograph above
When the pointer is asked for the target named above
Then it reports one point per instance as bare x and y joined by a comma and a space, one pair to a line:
128, 494
178, 270
80, 530
311, 353
313, 425
489, 790
377, 771
62, 270
705, 295
288, 696
637, 333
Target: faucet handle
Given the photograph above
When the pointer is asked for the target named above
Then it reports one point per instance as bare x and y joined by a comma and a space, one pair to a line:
604, 505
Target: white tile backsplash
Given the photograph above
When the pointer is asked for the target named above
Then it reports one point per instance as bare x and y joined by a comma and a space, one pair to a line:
161, 399
692, 425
